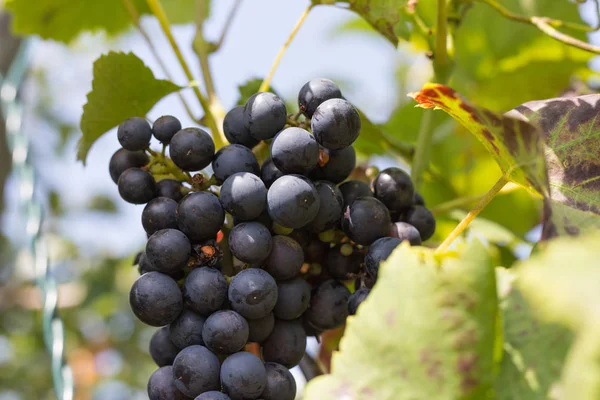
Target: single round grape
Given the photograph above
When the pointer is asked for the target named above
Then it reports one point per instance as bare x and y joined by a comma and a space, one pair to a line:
205, 290
168, 250
196, 370
315, 92
286, 344
422, 219
243, 376
123, 159
155, 299
134, 134
405, 231
162, 387
328, 305
250, 242
286, 258
352, 190
225, 332
186, 330
264, 115
293, 298
200, 216
165, 128
232, 159
419, 200
162, 349
269, 172
331, 203
253, 293
379, 251
260, 328
192, 149
234, 129
366, 220
356, 299
136, 186
335, 124
393, 187
169, 188
213, 395
292, 201
281, 384
295, 151
339, 166
159, 214
340, 266
244, 196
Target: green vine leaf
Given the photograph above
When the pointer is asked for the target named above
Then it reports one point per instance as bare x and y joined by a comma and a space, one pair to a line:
448, 354
389, 18
123, 87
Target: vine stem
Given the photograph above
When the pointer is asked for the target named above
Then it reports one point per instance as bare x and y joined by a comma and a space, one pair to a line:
267, 81
135, 16
422, 149
462, 225
463, 201
159, 13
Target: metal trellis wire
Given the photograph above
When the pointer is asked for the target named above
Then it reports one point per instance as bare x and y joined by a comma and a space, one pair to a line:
33, 215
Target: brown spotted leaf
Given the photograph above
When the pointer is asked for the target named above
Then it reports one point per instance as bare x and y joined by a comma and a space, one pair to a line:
426, 331
516, 144
388, 17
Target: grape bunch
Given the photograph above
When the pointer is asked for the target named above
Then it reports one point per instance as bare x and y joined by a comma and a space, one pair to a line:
241, 266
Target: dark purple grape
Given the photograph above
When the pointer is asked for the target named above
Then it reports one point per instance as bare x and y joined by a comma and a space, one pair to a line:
136, 186
286, 258
159, 214
342, 267
123, 159
335, 124
331, 205
286, 344
422, 219
192, 149
405, 231
161, 385
205, 290
269, 172
232, 159
328, 305
165, 128
168, 250
196, 370
225, 332
155, 299
293, 298
213, 395
253, 293
200, 216
169, 188
250, 242
162, 349
260, 328
134, 134
356, 299
393, 187
352, 190
340, 165
243, 376
295, 151
315, 92
379, 251
186, 330
366, 220
234, 129
244, 196
292, 201
280, 383
264, 115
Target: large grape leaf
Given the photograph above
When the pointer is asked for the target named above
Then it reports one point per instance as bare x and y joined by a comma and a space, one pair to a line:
515, 144
426, 331
561, 285
123, 87
388, 17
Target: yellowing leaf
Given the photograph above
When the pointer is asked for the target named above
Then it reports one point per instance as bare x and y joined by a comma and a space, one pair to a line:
426, 331
123, 87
